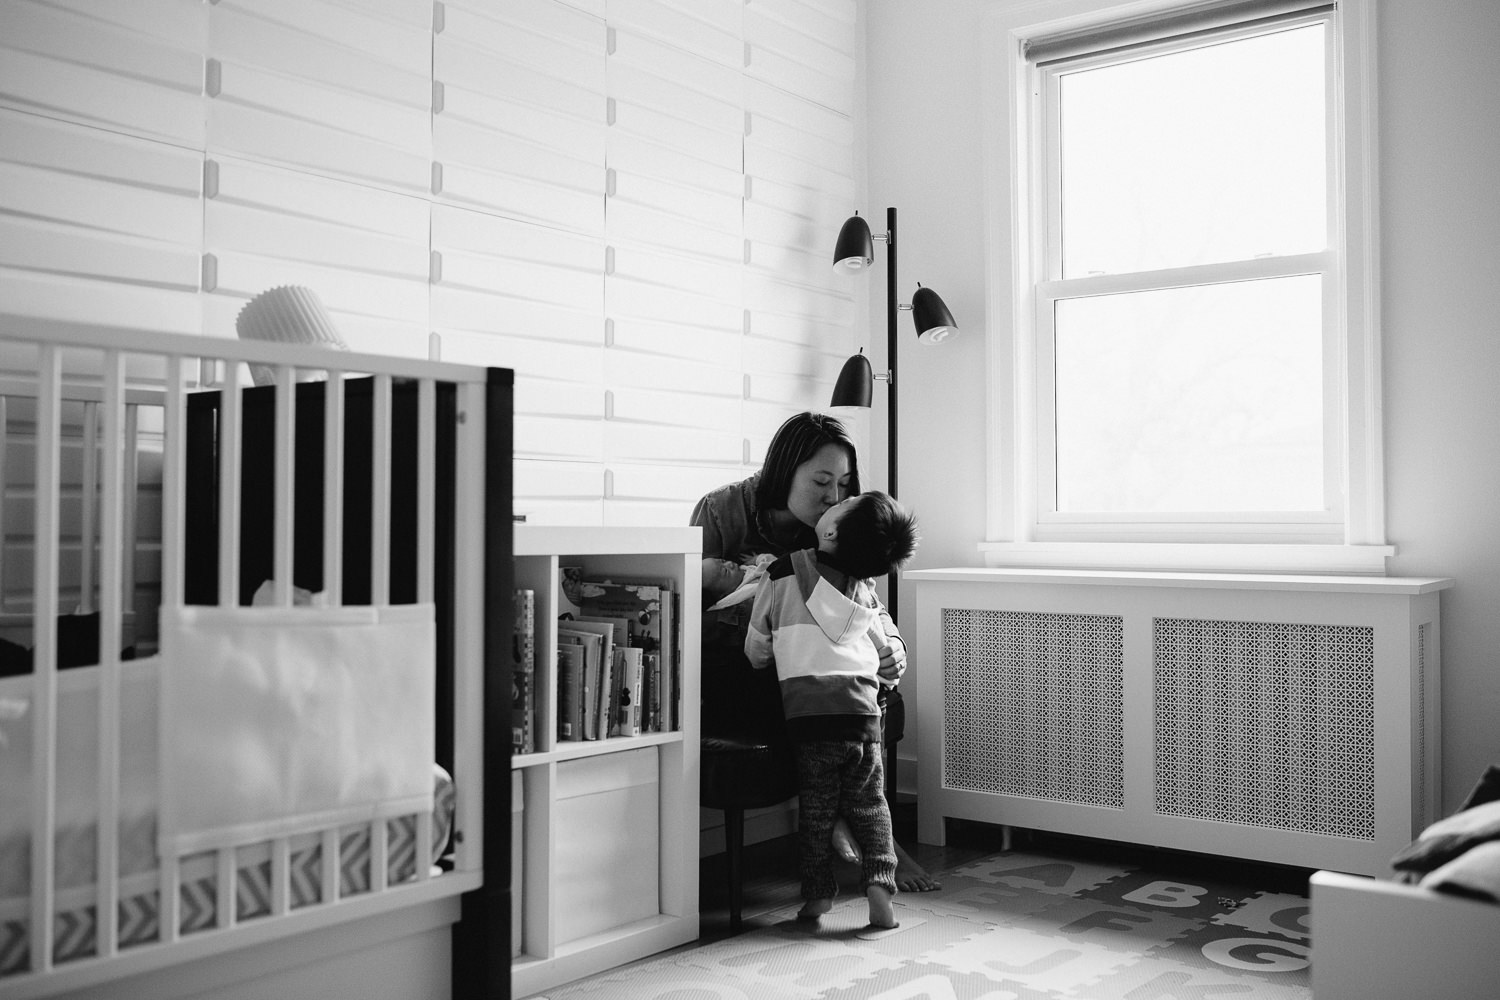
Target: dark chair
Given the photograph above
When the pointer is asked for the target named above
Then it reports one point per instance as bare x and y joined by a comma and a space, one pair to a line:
747, 761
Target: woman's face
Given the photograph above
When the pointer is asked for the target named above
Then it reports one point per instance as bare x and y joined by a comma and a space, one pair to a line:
819, 483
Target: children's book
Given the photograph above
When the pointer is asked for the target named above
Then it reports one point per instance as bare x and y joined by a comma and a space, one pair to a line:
569, 690
628, 665
523, 668
651, 692
587, 712
640, 604
599, 678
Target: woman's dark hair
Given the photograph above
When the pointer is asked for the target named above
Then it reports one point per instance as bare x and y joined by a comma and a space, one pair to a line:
876, 536
794, 442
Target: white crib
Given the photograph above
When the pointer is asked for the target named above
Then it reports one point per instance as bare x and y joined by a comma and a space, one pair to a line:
216, 781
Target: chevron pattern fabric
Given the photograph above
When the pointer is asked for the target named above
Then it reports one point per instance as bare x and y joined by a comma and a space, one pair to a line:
75, 927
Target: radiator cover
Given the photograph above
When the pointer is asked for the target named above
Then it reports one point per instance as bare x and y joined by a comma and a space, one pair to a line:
1282, 719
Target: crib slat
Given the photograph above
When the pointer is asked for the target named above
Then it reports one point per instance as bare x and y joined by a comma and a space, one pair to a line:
426, 487
281, 874
332, 866
333, 491
110, 615
231, 417
380, 514
282, 516
226, 884
380, 856
424, 846
44, 655
88, 509
174, 461
131, 484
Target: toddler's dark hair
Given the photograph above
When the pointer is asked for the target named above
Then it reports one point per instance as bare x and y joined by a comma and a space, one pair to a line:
876, 535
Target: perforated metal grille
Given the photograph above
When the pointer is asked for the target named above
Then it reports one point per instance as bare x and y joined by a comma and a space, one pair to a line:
1033, 705
1266, 724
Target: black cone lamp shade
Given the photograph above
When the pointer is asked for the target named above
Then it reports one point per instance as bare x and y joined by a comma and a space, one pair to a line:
933, 320
855, 249
855, 383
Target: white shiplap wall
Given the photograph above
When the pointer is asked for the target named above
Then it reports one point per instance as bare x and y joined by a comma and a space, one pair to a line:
629, 202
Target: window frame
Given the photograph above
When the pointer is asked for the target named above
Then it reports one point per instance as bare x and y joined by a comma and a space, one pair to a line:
1024, 528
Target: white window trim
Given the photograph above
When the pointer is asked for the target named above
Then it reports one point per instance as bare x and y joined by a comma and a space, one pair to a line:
1012, 536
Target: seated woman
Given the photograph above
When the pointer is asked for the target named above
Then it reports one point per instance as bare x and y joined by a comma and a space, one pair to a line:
810, 465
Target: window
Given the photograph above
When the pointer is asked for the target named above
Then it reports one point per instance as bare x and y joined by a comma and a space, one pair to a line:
1193, 365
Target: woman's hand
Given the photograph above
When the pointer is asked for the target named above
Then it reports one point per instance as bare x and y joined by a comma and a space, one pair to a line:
892, 663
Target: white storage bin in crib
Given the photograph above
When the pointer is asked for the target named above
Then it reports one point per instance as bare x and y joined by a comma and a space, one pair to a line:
608, 842
517, 861
277, 721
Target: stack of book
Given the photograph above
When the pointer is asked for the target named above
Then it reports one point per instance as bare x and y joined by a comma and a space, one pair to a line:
617, 658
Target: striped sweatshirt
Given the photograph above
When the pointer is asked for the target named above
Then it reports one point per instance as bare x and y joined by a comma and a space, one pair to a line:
824, 645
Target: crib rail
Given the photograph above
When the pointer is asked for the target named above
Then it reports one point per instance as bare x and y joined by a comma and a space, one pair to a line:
134, 394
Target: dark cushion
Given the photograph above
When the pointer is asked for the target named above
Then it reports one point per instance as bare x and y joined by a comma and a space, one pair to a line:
1486, 790
1474, 874
1448, 838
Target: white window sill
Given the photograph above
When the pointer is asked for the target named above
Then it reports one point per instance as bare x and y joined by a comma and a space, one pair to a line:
1359, 560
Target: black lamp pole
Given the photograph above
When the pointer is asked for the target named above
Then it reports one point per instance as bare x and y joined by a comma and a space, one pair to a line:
890, 380
890, 358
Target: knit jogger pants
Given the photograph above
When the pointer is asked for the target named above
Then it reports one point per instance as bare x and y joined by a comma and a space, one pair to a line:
843, 778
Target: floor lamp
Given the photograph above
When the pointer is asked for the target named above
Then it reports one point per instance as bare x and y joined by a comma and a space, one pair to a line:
854, 252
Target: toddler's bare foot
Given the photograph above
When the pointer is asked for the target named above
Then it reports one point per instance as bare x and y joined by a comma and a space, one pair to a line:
844, 844
882, 908
812, 909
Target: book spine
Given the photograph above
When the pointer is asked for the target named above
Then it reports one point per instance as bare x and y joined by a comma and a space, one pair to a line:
523, 667
628, 717
569, 703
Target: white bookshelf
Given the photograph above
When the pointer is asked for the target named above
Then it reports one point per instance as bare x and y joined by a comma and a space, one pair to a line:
607, 870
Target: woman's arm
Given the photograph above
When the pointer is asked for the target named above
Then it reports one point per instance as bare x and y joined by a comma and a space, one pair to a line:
721, 571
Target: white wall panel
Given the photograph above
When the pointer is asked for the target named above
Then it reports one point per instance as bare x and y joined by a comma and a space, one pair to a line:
601, 194
624, 368
653, 286
285, 86
135, 68
566, 439
503, 276
662, 494
687, 340
553, 492
363, 250
97, 227
708, 28
820, 68
677, 98
519, 128
661, 443
674, 403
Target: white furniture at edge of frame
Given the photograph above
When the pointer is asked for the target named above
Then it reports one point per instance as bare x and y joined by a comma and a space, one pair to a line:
1379, 940
1291, 719
551, 954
